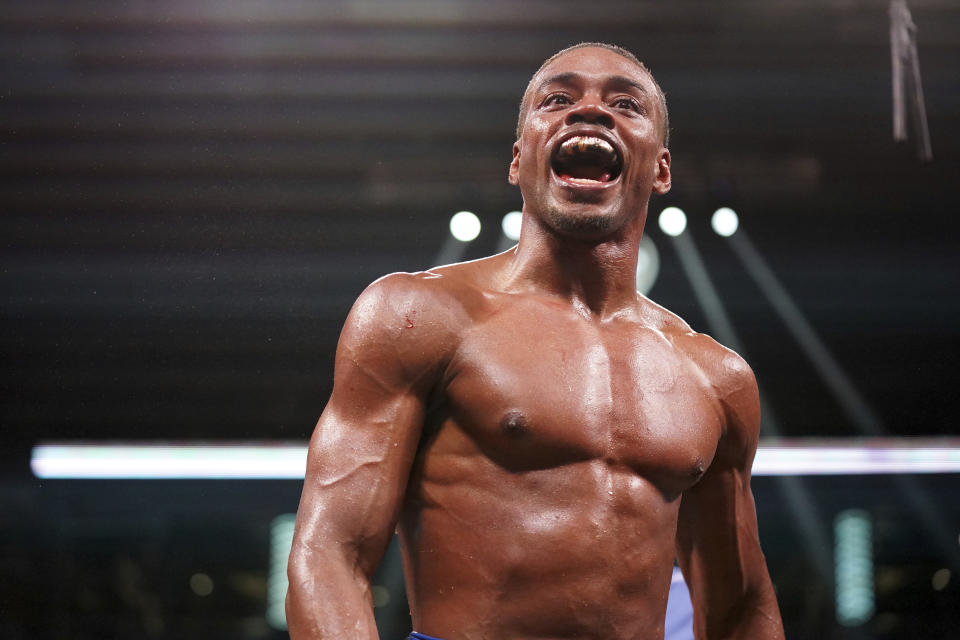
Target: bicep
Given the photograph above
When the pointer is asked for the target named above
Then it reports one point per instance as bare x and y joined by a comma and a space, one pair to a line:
359, 459
717, 541
364, 444
717, 531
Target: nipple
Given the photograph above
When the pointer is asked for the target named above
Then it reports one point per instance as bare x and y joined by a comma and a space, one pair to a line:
514, 424
698, 469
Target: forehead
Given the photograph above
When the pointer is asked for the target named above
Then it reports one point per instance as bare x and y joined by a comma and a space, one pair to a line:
593, 62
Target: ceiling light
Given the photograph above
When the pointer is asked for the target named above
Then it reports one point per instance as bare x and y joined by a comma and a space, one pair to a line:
673, 221
465, 226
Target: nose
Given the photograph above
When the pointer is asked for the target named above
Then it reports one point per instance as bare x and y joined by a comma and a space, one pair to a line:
591, 112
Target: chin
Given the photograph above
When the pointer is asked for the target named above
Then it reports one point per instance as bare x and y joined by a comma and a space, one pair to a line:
581, 223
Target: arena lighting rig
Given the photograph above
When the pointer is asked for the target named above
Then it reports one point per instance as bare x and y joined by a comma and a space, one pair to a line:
287, 461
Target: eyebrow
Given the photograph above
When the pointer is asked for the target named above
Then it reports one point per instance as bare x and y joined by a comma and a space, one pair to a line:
623, 81
571, 76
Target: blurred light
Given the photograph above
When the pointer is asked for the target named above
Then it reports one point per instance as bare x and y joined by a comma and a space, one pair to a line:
817, 457
465, 226
941, 579
283, 461
281, 539
672, 221
725, 221
380, 595
853, 565
201, 584
169, 461
511, 225
648, 265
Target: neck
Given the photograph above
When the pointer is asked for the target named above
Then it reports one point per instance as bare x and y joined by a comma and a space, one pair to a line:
596, 276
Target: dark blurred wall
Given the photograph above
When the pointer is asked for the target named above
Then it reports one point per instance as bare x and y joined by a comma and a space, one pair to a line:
194, 192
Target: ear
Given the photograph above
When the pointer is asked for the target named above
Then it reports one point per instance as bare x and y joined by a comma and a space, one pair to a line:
662, 180
513, 175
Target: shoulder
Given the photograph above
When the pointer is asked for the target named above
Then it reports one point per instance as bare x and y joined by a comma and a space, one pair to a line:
433, 300
727, 375
406, 322
735, 388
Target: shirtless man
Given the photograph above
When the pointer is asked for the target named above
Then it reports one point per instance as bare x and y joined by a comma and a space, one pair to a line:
545, 439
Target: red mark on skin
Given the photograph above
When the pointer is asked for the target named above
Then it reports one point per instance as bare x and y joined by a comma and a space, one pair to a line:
409, 321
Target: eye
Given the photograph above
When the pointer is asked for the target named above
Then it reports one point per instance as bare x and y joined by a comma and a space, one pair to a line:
557, 99
626, 102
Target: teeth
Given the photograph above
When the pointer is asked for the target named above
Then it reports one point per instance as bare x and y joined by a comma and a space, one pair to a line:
583, 144
587, 181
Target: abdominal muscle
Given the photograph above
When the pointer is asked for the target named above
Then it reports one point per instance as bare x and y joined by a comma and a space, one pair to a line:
582, 550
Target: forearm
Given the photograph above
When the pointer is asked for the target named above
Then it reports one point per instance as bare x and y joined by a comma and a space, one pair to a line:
328, 599
756, 616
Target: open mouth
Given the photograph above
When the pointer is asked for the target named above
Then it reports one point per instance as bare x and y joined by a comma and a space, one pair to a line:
586, 160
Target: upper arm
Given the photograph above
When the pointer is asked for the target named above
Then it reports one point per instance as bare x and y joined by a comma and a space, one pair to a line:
364, 444
717, 540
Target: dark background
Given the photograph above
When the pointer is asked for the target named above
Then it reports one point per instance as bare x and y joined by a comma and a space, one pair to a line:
193, 193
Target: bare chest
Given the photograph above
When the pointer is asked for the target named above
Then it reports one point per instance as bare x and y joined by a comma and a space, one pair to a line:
532, 393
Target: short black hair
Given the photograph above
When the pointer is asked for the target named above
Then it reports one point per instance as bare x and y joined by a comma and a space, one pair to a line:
661, 96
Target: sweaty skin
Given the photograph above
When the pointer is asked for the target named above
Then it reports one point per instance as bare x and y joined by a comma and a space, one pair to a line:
545, 439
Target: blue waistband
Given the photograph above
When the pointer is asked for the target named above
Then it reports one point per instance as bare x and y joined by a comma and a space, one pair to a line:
421, 636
